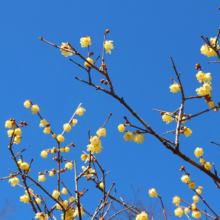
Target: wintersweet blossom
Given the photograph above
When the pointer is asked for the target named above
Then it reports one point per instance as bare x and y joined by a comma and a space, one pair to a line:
85, 41
101, 132
27, 104
177, 117
206, 50
24, 166
196, 214
31, 192
192, 185
202, 160
71, 198
95, 140
142, 216
185, 179
64, 52
38, 201
153, 192
139, 138
176, 200
17, 139
198, 152
74, 121
24, 199
10, 132
35, 109
68, 215
67, 127
128, 136
17, 131
108, 46
121, 127
94, 148
76, 213
47, 130
41, 178
89, 172
188, 132
199, 191
64, 191
195, 199
14, 181
174, 88
51, 173
8, 124
41, 216
211, 104
44, 154
83, 157
101, 185
80, 111
43, 123
69, 165
167, 117
200, 76
60, 138
56, 194
179, 212
67, 149
208, 166
187, 210
86, 64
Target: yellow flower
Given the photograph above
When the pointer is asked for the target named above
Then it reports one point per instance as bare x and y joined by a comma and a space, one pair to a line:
108, 46
24, 199
195, 199
211, 104
73, 122
208, 166
68, 215
80, 111
53, 135
14, 181
17, 139
196, 214
65, 203
94, 148
71, 198
101, 185
41, 178
30, 191
41, 216
27, 104
10, 132
89, 172
177, 116
101, 132
128, 136
8, 124
209, 52
43, 123
121, 127
24, 166
17, 131
139, 138
176, 200
85, 41
185, 179
187, 210
202, 160
67, 127
38, 201
67, 149
188, 132
56, 194
200, 76
35, 109
175, 88
64, 52
90, 60
69, 165
208, 77
167, 117
60, 138
44, 154
179, 212
94, 140
51, 173
76, 213
153, 192
192, 185
198, 152
47, 130
142, 216
83, 157
199, 191
64, 191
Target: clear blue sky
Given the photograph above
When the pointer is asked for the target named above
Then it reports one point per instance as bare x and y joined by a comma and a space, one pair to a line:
145, 35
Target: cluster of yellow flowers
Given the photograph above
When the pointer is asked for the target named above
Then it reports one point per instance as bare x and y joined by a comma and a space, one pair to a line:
129, 136
198, 153
67, 47
13, 130
41, 216
208, 51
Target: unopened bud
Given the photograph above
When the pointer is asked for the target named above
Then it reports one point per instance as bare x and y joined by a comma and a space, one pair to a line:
102, 81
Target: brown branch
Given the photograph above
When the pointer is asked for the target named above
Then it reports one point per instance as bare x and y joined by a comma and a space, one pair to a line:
120, 212
164, 212
107, 120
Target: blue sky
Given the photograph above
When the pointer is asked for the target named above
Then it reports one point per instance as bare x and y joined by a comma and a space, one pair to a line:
145, 34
